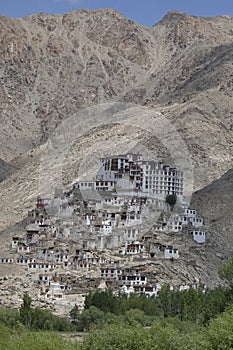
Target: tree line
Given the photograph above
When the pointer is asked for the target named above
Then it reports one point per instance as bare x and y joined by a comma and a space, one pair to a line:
167, 333
197, 306
177, 320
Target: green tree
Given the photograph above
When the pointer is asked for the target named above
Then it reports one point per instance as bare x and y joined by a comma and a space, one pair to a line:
9, 318
226, 272
74, 312
117, 337
220, 331
91, 317
134, 317
215, 302
192, 302
46, 321
39, 341
171, 200
103, 300
26, 311
165, 300
39, 319
5, 336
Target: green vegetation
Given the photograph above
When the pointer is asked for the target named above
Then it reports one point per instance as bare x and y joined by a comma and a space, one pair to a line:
197, 306
21, 339
226, 272
171, 200
119, 304
176, 320
166, 333
33, 318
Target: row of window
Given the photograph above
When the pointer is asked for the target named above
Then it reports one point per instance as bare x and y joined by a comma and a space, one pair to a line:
164, 173
45, 266
163, 186
90, 184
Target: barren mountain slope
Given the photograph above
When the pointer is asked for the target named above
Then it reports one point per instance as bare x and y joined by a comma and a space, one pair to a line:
52, 66
197, 82
5, 170
215, 203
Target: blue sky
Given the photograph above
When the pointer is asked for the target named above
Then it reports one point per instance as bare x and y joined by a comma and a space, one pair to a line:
146, 12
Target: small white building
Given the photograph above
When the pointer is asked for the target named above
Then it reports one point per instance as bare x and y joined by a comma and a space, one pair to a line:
127, 290
161, 226
131, 278
199, 236
110, 272
190, 213
190, 217
175, 224
55, 255
131, 234
55, 291
44, 279
194, 286
171, 252
197, 222
114, 201
93, 259
88, 219
147, 289
132, 248
23, 248
102, 229
130, 219
15, 241
183, 288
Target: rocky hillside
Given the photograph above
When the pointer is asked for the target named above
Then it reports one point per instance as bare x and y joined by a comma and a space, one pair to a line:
5, 170
215, 202
53, 66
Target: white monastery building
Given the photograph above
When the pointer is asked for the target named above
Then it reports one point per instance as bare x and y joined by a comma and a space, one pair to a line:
131, 172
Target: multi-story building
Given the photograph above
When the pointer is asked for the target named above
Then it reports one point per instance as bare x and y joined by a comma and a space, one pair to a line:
161, 179
131, 172
117, 167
